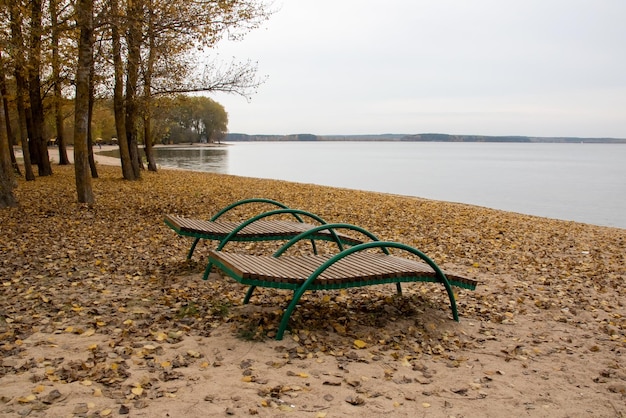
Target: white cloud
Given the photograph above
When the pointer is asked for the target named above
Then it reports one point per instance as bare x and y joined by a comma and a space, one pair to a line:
534, 67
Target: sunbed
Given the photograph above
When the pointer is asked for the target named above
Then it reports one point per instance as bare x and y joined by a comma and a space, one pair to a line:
257, 228
354, 266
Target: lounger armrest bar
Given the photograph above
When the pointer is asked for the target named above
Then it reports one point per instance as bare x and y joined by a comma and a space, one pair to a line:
294, 212
250, 201
241, 226
331, 228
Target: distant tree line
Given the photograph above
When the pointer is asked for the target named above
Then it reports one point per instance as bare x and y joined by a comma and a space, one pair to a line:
427, 137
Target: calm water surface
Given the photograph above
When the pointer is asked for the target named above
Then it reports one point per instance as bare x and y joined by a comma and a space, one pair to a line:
579, 182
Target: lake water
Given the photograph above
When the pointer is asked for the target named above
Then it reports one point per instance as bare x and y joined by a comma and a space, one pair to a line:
579, 182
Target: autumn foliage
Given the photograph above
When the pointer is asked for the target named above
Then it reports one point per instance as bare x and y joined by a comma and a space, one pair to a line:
114, 269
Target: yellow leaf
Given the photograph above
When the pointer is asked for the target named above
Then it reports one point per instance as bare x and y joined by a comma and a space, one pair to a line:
303, 375
138, 390
114, 366
97, 392
89, 332
247, 379
39, 389
426, 405
360, 344
165, 364
105, 412
86, 383
26, 399
339, 328
193, 354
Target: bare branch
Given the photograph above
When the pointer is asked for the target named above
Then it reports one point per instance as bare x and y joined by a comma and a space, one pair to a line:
237, 78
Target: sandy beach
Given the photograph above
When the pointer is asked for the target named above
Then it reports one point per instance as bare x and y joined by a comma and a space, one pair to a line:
102, 315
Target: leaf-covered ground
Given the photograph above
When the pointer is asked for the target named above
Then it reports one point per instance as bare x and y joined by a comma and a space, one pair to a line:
547, 321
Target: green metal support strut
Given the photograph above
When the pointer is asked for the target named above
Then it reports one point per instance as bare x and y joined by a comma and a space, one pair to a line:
377, 244
232, 206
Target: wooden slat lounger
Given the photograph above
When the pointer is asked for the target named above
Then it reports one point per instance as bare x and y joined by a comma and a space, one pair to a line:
351, 267
257, 228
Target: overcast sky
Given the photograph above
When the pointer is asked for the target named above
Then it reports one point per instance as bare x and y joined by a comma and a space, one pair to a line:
485, 67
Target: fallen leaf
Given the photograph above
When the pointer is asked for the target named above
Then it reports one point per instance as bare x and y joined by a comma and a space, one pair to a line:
360, 344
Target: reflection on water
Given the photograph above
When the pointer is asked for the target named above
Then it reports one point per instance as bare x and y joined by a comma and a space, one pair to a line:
210, 159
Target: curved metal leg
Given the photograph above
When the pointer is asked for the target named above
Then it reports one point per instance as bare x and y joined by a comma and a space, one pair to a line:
455, 313
249, 294
207, 271
290, 308
193, 248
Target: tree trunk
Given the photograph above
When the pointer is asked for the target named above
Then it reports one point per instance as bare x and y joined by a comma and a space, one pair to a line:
21, 112
7, 119
7, 181
147, 94
133, 42
20, 89
118, 96
92, 161
34, 90
84, 21
56, 76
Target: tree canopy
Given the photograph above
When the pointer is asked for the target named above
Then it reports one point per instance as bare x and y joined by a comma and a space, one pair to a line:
140, 55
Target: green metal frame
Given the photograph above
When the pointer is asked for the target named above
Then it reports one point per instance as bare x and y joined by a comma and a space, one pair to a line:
311, 284
312, 236
229, 208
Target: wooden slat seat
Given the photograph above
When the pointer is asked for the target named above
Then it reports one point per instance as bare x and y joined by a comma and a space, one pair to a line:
360, 269
258, 231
